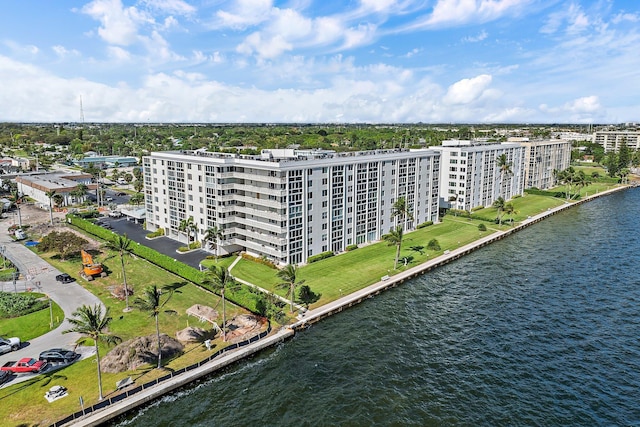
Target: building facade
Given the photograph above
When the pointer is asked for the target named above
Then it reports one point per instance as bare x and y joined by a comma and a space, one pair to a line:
470, 176
287, 205
542, 158
37, 186
611, 140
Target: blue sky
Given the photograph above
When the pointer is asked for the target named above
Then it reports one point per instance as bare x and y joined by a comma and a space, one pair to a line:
373, 61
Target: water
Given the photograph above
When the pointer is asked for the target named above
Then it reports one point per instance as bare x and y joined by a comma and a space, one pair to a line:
540, 329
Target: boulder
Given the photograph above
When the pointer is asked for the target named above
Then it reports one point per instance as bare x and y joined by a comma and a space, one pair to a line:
191, 334
134, 353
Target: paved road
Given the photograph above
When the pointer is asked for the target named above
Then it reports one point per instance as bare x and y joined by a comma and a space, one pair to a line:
40, 276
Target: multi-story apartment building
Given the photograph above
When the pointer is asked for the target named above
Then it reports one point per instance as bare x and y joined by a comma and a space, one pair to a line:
288, 205
470, 176
541, 158
611, 140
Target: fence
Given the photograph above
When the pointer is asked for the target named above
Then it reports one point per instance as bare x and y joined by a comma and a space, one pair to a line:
125, 394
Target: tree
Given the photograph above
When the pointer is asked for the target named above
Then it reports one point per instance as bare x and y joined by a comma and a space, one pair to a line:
394, 237
80, 191
122, 244
136, 199
510, 210
188, 226
504, 165
138, 185
151, 302
307, 296
624, 155
64, 243
92, 323
50, 194
289, 274
499, 204
214, 234
58, 200
433, 245
401, 210
221, 280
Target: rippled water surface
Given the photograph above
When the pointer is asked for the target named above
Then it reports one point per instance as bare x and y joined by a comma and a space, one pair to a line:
539, 329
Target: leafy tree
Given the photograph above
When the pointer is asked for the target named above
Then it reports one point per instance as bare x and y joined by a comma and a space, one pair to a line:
394, 237
80, 191
122, 244
306, 296
510, 210
128, 177
137, 199
433, 245
58, 200
64, 243
151, 302
138, 185
91, 323
624, 155
221, 280
50, 194
611, 164
289, 274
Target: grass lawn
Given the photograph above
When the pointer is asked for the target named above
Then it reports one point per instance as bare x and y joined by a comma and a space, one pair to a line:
32, 325
222, 262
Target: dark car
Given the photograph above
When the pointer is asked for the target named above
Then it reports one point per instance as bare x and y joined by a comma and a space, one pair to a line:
64, 278
121, 193
4, 376
58, 355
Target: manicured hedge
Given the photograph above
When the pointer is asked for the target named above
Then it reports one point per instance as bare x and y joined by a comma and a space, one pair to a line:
351, 248
559, 194
320, 256
424, 224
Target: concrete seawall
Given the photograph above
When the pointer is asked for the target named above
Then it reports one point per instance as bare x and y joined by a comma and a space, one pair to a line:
310, 317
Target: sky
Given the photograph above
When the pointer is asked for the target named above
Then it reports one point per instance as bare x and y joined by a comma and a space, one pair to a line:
320, 61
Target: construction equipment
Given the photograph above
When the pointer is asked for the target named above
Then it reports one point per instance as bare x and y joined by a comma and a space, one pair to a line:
89, 268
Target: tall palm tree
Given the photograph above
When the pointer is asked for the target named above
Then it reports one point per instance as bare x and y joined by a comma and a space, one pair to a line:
394, 237
401, 210
92, 323
221, 280
289, 274
151, 302
214, 234
50, 194
503, 163
499, 204
510, 210
122, 244
188, 226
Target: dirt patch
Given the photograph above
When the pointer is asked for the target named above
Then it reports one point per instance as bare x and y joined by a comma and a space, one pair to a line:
244, 326
132, 354
203, 312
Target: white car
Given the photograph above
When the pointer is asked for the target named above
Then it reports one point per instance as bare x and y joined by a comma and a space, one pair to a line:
9, 344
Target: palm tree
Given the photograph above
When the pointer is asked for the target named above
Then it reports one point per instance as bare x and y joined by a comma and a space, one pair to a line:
188, 226
214, 234
50, 194
221, 280
289, 275
504, 165
394, 237
151, 302
500, 205
122, 244
510, 210
92, 323
401, 210
58, 200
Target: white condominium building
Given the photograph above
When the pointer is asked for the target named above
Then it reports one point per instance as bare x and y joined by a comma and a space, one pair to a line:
541, 159
288, 205
470, 176
611, 140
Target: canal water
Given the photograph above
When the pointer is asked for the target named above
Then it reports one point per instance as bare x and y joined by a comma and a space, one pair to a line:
539, 329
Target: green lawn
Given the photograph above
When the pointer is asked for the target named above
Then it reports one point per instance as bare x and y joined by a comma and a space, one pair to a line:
32, 325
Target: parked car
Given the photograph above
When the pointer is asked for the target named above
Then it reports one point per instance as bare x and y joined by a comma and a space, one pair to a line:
9, 344
115, 214
109, 199
58, 355
64, 278
4, 376
121, 193
24, 365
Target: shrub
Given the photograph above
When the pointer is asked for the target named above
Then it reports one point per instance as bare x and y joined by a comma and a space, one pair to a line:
424, 224
433, 245
459, 212
259, 260
351, 248
159, 232
482, 227
477, 208
14, 305
320, 256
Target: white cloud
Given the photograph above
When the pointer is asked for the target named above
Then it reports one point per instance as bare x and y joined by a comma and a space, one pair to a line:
413, 52
118, 54
457, 12
21, 49
63, 52
379, 5
466, 91
243, 14
477, 38
587, 104
178, 7
625, 17
119, 25
573, 17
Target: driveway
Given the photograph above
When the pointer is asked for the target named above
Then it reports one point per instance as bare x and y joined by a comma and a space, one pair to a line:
164, 245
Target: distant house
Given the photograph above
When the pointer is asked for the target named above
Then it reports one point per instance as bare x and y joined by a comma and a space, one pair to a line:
103, 162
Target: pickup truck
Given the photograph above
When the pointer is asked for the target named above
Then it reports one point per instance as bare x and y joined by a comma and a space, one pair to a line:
23, 365
9, 344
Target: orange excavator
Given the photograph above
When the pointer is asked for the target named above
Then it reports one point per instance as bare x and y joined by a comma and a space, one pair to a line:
89, 268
